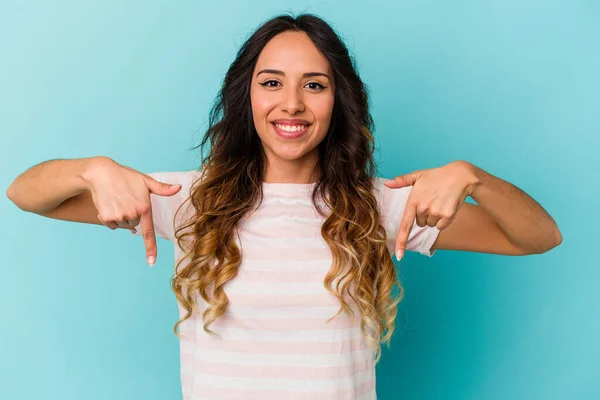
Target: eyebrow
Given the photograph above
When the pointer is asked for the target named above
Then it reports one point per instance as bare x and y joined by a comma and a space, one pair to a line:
305, 75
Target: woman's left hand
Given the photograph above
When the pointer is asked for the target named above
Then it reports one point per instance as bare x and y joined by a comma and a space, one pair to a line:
436, 196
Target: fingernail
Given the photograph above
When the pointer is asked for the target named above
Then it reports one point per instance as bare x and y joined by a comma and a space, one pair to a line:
151, 260
399, 254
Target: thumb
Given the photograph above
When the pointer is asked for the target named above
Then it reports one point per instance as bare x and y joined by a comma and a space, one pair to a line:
402, 180
161, 188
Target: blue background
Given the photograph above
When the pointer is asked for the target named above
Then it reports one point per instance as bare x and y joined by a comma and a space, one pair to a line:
511, 86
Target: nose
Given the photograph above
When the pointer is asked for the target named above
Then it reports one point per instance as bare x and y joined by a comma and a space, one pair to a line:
293, 100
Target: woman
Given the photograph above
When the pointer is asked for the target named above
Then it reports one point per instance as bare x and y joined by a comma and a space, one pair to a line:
284, 236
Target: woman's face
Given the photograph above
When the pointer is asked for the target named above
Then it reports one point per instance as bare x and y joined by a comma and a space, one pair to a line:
292, 95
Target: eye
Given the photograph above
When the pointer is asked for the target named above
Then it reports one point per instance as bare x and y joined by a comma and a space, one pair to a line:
266, 84
320, 87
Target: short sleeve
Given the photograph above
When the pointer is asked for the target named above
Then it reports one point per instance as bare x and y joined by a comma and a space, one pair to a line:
393, 203
165, 207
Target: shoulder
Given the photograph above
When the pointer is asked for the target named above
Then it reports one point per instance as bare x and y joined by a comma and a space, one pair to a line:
184, 178
390, 199
175, 177
165, 208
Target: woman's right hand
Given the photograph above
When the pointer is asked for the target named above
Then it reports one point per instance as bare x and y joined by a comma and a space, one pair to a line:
122, 197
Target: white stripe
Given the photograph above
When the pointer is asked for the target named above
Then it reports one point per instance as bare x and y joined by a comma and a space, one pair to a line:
371, 395
294, 201
286, 312
287, 360
270, 222
293, 265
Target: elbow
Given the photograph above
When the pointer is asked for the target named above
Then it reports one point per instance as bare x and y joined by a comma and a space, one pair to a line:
545, 245
10, 193
557, 238
555, 241
12, 196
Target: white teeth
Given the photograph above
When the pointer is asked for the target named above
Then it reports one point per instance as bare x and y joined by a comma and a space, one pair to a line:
291, 128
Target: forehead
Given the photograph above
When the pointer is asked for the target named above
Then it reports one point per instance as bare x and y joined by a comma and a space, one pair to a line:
292, 52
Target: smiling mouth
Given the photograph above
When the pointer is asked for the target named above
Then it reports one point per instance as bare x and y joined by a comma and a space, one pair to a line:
290, 131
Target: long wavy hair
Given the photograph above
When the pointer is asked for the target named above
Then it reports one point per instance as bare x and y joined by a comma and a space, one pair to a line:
230, 185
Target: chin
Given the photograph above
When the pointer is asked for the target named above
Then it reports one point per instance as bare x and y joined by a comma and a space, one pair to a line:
289, 156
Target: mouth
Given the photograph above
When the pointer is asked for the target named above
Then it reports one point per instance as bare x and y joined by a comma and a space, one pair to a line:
290, 131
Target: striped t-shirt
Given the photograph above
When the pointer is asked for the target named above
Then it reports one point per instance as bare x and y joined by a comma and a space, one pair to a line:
275, 342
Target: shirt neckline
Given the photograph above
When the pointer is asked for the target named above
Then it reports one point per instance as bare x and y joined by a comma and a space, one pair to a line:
288, 188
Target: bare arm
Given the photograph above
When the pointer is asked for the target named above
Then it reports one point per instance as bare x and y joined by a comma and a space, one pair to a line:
43, 187
95, 190
506, 220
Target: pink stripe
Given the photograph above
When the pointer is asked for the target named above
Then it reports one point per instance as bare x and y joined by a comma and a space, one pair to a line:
281, 211
285, 230
231, 394
283, 372
308, 300
339, 322
303, 348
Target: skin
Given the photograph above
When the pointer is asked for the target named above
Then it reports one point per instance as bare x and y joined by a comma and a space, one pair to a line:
505, 221
290, 95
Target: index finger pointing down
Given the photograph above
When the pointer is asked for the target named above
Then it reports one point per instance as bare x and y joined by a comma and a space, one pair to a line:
149, 236
406, 225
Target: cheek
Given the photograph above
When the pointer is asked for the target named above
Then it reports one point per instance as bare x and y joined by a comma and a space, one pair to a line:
322, 109
261, 104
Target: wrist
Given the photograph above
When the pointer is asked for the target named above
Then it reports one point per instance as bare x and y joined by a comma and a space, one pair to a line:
475, 177
89, 169
479, 180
